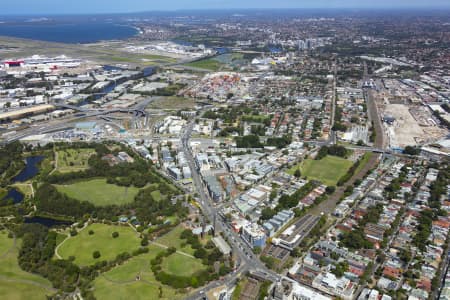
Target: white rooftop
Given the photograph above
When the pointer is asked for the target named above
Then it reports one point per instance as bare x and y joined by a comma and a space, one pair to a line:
307, 293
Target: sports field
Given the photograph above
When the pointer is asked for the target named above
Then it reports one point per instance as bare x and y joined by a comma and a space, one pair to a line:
14, 282
73, 160
328, 170
83, 245
98, 192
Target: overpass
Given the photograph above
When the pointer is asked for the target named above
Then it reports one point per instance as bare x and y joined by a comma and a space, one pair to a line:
137, 110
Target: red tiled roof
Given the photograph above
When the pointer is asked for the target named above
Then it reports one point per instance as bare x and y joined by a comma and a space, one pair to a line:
391, 272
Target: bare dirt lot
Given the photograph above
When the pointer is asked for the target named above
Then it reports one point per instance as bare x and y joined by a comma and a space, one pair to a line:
250, 291
405, 130
412, 125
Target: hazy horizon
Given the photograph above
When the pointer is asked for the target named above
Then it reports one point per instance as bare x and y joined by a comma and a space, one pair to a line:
55, 7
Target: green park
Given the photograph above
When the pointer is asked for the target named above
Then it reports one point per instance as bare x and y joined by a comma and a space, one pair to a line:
72, 160
208, 64
15, 283
327, 170
99, 192
126, 239
99, 237
134, 280
182, 265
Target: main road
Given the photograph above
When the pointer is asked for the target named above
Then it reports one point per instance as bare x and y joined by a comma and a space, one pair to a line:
65, 123
246, 260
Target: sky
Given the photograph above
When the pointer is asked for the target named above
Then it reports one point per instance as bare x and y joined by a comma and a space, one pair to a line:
22, 7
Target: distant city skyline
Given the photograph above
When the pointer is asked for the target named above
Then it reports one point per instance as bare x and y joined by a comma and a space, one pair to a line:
27, 7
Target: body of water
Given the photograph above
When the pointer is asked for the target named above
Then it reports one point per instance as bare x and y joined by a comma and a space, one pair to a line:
73, 33
48, 222
14, 195
31, 169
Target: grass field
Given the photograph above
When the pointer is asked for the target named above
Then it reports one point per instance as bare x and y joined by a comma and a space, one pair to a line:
229, 58
255, 118
98, 192
172, 103
120, 282
47, 165
156, 195
6, 243
137, 290
14, 282
207, 64
140, 58
181, 265
83, 245
3, 193
327, 170
73, 160
172, 239
20, 291
60, 237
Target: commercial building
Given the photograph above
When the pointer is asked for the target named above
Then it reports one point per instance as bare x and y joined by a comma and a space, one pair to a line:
254, 235
300, 292
166, 155
340, 287
25, 112
174, 172
222, 245
277, 222
290, 290
215, 190
293, 235
187, 172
